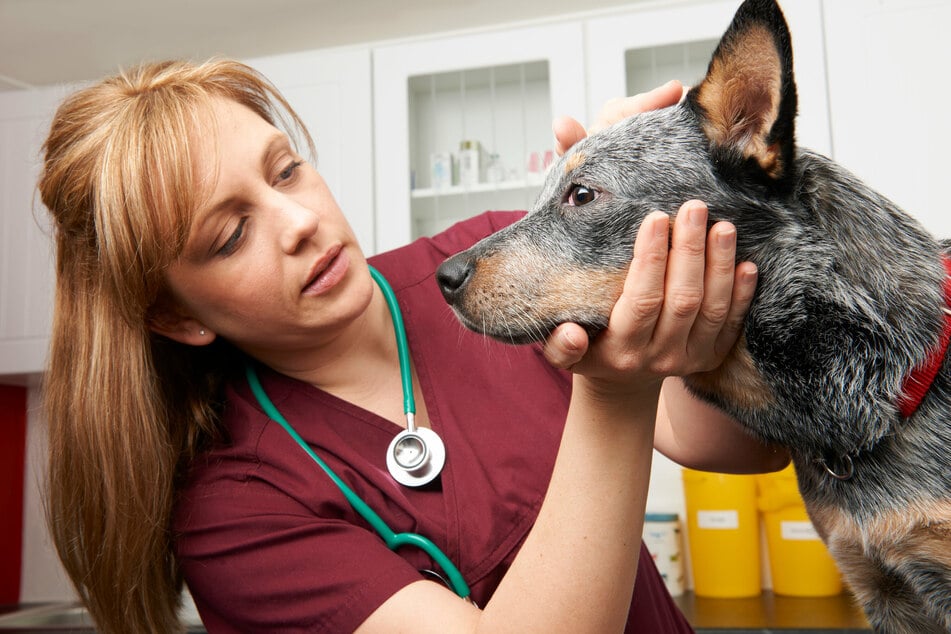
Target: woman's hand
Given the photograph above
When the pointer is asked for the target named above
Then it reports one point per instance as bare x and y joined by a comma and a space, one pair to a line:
568, 131
680, 312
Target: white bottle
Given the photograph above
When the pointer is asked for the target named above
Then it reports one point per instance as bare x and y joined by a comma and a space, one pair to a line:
440, 166
470, 163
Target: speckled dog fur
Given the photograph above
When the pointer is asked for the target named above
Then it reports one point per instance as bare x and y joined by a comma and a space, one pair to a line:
850, 298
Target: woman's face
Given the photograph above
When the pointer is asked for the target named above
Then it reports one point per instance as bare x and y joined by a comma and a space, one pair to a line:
270, 264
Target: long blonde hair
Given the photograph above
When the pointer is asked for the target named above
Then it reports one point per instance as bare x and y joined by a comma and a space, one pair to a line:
128, 409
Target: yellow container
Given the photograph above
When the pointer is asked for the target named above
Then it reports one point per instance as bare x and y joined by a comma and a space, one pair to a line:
723, 534
799, 563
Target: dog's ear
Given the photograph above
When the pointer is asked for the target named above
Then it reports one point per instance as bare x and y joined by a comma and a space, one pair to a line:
747, 102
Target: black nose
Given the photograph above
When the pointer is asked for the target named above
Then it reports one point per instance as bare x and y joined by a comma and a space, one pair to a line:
452, 276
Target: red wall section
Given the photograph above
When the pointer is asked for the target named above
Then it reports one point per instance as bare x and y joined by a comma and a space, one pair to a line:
12, 464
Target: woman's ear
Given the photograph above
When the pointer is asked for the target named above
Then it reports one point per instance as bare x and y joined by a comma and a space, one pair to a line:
165, 318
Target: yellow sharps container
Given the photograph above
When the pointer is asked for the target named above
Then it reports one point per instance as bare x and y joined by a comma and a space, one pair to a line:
723, 534
799, 563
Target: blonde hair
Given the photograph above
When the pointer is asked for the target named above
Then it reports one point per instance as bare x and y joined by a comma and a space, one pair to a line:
128, 409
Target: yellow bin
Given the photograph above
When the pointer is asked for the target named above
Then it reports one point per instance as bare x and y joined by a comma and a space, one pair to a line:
723, 534
799, 563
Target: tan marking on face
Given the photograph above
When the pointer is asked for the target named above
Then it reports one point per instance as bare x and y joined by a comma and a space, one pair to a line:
919, 532
574, 161
526, 289
736, 380
596, 289
741, 97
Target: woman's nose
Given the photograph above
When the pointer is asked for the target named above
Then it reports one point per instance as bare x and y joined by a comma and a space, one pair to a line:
299, 222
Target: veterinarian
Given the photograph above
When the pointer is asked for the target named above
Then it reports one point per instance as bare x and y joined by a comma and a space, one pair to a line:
210, 291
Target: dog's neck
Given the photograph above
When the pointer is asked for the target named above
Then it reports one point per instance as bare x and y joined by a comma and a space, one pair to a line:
919, 381
913, 390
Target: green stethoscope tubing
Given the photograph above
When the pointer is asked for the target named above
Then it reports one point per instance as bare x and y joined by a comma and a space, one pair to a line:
402, 345
392, 539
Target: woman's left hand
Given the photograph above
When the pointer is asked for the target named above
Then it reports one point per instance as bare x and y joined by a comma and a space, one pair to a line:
680, 312
568, 131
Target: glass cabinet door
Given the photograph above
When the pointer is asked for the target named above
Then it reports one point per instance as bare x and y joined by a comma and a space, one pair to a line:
463, 124
641, 49
651, 66
478, 139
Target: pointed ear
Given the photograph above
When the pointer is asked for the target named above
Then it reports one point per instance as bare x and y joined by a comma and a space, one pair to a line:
747, 102
166, 319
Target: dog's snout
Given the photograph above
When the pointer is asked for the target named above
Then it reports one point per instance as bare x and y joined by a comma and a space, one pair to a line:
452, 276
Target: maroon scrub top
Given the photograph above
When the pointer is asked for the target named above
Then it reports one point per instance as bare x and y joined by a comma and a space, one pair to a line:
267, 542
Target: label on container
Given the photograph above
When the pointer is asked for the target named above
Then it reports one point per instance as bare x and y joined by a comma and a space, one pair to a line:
719, 520
798, 531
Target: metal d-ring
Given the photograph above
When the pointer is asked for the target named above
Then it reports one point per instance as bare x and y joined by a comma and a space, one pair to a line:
849, 468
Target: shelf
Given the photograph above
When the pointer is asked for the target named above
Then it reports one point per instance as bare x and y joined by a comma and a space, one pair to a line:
480, 188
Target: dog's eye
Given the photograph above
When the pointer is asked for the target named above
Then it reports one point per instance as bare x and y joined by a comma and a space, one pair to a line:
580, 195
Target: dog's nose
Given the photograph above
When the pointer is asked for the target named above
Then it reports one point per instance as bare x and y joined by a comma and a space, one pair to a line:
452, 276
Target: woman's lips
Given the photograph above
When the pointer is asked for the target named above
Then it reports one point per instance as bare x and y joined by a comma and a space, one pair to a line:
328, 272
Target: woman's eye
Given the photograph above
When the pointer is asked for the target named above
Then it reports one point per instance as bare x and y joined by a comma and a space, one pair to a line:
234, 239
579, 195
289, 171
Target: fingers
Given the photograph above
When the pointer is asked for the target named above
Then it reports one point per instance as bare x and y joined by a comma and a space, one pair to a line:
681, 310
718, 283
568, 131
626, 345
684, 281
642, 301
728, 292
744, 288
618, 109
566, 346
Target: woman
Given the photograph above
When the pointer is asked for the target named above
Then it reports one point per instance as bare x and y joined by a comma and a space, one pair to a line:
194, 241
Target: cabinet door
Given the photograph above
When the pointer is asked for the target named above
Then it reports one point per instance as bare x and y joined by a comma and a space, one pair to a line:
431, 97
889, 99
26, 256
636, 51
331, 92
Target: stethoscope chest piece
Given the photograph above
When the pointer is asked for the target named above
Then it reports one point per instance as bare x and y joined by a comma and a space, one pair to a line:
415, 456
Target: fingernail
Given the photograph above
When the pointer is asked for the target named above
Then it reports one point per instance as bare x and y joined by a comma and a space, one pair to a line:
726, 237
696, 214
571, 343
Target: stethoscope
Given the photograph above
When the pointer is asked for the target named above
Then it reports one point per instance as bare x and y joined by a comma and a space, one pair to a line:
414, 458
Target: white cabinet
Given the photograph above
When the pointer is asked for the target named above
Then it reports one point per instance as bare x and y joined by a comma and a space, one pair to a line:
331, 92
500, 89
889, 99
26, 256
638, 50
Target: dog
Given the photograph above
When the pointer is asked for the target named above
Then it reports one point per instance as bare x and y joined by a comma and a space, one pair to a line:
842, 356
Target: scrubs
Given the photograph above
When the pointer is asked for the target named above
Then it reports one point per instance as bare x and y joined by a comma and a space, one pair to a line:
268, 543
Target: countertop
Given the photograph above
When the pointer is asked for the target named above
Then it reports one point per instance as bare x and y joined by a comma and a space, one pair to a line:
765, 614
773, 613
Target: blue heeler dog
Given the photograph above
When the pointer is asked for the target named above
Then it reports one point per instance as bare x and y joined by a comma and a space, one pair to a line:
842, 356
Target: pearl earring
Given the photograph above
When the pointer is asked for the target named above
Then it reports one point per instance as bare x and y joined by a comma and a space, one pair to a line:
201, 332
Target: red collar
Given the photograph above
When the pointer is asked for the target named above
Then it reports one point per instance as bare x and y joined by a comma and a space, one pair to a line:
917, 383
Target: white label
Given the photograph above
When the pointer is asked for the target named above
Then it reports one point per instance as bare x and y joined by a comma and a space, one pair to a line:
718, 520
798, 531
